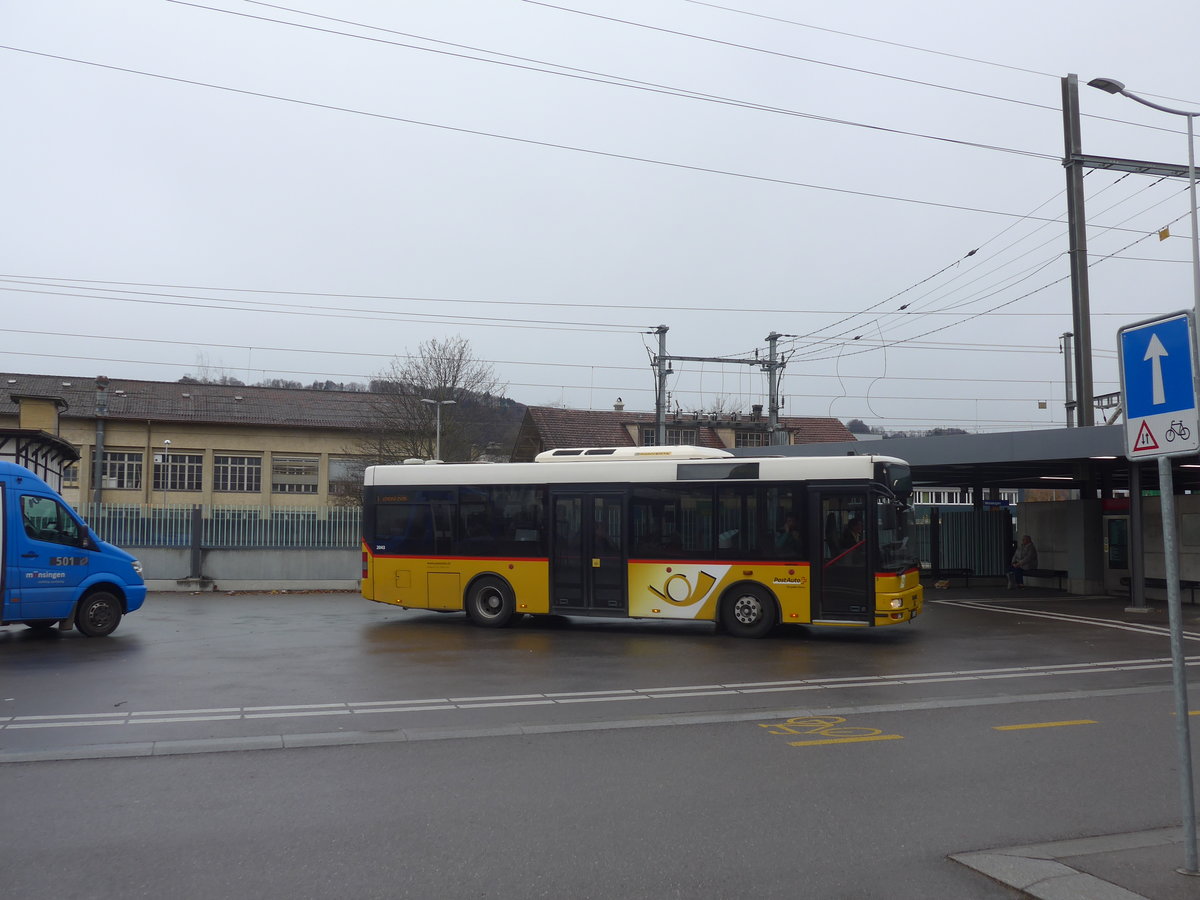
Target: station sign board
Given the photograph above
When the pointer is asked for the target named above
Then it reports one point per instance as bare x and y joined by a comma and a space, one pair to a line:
1158, 387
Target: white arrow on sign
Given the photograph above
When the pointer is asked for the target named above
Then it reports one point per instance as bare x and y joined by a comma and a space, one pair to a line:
1155, 352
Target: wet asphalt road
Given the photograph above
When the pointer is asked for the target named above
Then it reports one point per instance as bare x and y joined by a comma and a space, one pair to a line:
426, 757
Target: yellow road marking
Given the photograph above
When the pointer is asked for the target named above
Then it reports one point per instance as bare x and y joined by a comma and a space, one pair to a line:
849, 740
1043, 725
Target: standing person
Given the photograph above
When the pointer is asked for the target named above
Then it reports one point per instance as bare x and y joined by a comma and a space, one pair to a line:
1023, 560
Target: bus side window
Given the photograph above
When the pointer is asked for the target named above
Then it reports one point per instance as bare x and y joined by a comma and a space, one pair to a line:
405, 528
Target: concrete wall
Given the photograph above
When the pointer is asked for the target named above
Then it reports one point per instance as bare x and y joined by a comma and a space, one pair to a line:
167, 569
1070, 535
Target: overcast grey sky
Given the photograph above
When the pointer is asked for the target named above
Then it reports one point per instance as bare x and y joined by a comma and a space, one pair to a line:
205, 187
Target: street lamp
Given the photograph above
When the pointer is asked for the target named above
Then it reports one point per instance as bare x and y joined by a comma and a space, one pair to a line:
438, 404
1166, 483
1112, 86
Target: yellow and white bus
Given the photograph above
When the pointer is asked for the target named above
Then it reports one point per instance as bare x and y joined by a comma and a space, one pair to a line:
647, 533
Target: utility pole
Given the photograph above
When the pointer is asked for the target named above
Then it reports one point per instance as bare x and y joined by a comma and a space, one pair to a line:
663, 368
98, 449
1075, 162
1070, 402
1081, 316
774, 436
772, 367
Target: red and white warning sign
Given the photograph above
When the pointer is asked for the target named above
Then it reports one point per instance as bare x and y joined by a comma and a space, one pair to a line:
1145, 439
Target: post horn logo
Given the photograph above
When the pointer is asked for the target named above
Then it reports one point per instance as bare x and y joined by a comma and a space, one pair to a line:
678, 590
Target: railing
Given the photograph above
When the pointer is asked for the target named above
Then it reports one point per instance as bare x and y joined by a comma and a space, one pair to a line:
299, 528
964, 539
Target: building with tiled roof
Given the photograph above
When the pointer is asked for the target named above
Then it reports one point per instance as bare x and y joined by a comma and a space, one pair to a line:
225, 445
549, 428
208, 444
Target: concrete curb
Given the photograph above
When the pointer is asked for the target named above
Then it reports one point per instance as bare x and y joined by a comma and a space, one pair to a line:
1037, 870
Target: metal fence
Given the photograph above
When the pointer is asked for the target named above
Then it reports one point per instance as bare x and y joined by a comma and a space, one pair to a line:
963, 538
300, 528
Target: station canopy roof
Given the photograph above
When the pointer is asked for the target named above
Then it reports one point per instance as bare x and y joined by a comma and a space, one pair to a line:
1062, 459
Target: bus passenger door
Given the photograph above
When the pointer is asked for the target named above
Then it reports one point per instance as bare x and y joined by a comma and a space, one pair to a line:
843, 587
587, 555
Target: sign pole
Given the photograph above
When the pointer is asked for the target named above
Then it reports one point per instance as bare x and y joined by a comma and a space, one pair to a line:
1166, 484
1162, 419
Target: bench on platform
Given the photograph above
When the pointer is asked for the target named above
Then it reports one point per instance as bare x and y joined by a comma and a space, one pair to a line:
1060, 574
1161, 584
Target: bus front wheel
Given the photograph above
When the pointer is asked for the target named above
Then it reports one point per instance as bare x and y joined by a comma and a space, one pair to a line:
748, 611
490, 602
98, 614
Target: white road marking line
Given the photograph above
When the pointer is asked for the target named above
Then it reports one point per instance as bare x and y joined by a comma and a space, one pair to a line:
161, 717
629, 695
74, 724
393, 702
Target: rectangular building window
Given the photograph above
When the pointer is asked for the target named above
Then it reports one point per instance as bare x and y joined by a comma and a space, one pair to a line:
178, 472
294, 474
121, 470
346, 476
237, 474
70, 476
750, 439
675, 437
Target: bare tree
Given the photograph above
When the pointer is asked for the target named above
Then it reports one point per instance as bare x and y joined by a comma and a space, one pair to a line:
441, 369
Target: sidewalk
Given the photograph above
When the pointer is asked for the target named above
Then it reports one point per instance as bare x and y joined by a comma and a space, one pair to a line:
1133, 866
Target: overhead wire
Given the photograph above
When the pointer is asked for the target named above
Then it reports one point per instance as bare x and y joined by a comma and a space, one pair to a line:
490, 322
1053, 221
805, 59
709, 170
56, 281
990, 292
588, 75
863, 37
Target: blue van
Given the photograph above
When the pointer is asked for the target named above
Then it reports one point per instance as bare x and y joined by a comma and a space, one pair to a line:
53, 568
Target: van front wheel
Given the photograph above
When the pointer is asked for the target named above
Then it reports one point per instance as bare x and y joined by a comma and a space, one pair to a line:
98, 614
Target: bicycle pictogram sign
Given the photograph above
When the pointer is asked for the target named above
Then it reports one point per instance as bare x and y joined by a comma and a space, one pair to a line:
827, 730
1178, 430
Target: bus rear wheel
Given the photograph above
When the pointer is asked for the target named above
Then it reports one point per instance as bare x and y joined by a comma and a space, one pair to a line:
490, 603
98, 614
748, 611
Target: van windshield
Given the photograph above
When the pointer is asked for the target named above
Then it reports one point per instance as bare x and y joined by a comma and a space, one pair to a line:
46, 519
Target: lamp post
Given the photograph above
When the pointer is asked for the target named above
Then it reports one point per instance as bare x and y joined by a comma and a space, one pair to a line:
1167, 489
1112, 86
438, 404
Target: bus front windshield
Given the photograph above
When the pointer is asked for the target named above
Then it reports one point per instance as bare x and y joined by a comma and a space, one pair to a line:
894, 524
